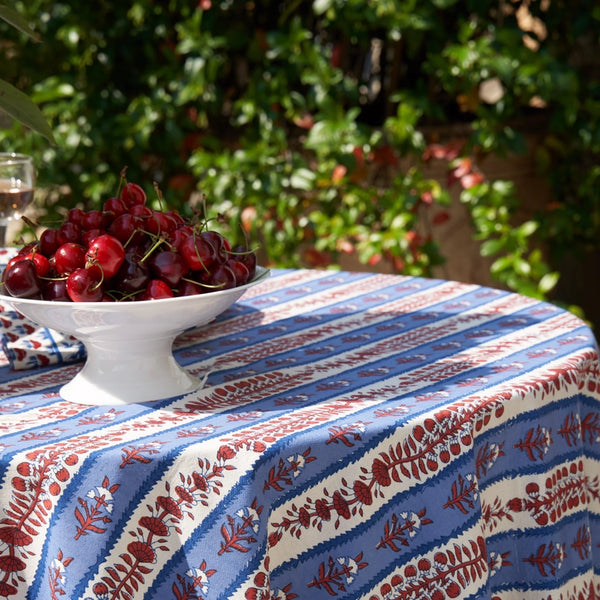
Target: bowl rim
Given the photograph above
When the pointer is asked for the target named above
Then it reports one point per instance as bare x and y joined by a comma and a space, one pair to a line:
261, 273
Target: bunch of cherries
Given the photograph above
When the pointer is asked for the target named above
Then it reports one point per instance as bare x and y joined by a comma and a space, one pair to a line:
127, 251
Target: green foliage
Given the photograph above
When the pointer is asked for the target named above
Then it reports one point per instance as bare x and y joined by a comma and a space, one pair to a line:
307, 123
13, 101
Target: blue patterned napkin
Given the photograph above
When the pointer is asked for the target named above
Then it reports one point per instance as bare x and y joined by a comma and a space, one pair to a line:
27, 345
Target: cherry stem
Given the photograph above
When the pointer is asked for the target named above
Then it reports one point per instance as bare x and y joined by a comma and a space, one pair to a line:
159, 195
206, 285
154, 246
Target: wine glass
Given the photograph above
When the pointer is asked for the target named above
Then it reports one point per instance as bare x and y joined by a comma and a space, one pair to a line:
17, 180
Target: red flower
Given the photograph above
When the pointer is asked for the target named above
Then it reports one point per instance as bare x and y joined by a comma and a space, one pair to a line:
184, 494
363, 492
381, 473
169, 505
100, 589
24, 468
154, 525
340, 505
200, 481
11, 564
6, 589
142, 552
226, 453
15, 537
322, 509
19, 484
304, 517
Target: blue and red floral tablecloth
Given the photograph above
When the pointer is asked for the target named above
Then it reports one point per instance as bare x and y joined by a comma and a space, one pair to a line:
360, 436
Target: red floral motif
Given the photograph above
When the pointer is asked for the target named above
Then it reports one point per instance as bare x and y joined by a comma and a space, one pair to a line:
493, 514
96, 512
347, 433
261, 588
338, 574
194, 581
287, 470
583, 542
487, 456
56, 575
402, 528
431, 445
565, 490
536, 443
442, 577
133, 454
548, 559
236, 533
590, 428
464, 494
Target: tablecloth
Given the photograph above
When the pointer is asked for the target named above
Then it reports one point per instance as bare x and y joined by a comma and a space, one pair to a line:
359, 436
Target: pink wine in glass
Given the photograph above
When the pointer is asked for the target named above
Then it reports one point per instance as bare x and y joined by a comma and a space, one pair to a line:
17, 180
13, 200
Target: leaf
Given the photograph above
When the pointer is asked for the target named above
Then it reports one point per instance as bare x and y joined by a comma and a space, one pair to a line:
21, 108
18, 22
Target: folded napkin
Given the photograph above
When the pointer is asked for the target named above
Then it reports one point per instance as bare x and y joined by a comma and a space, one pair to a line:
27, 345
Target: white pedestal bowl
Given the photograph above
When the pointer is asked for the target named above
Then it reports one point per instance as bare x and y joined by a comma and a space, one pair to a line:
129, 344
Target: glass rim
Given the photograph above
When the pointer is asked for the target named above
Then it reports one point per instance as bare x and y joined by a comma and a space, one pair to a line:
15, 157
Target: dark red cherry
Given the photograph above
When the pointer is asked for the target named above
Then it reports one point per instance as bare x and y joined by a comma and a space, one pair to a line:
68, 233
85, 285
69, 257
156, 290
48, 242
56, 290
115, 205
168, 266
107, 252
133, 194
132, 277
198, 253
21, 280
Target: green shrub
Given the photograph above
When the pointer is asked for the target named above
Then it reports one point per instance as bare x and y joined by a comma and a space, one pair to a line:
307, 124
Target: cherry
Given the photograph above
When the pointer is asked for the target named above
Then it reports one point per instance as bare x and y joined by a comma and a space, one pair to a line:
56, 290
156, 290
28, 249
68, 232
239, 269
48, 242
222, 278
107, 252
69, 257
168, 266
89, 236
161, 224
127, 228
133, 194
75, 215
132, 277
42, 264
198, 252
85, 284
179, 235
93, 219
141, 210
247, 256
189, 288
21, 280
115, 205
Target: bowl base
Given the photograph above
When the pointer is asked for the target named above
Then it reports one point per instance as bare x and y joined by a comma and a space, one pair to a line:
110, 376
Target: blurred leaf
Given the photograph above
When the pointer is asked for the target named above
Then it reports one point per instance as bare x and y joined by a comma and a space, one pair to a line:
16, 20
19, 106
